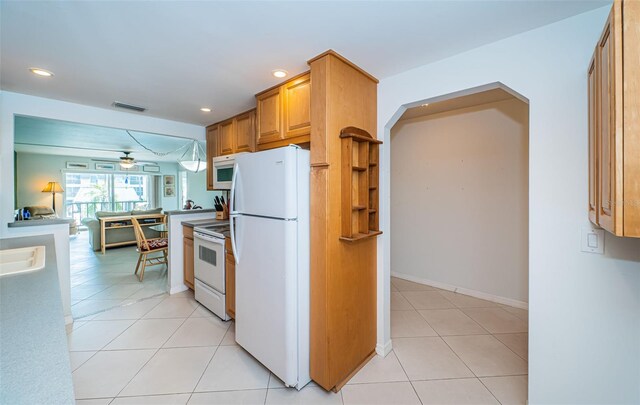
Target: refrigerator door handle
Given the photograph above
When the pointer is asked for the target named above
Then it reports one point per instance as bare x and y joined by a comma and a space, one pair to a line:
234, 248
232, 200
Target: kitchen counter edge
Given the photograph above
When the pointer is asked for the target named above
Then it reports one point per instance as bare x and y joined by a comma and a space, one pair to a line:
183, 212
203, 222
40, 222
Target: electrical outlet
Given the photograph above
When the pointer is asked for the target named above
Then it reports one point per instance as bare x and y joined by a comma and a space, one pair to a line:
592, 240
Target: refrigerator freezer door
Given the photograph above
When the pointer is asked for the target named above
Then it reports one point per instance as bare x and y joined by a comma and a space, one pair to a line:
265, 183
266, 293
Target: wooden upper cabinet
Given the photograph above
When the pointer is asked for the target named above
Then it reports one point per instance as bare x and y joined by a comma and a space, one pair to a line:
614, 123
297, 107
212, 151
245, 132
284, 113
226, 137
593, 88
237, 134
269, 110
606, 51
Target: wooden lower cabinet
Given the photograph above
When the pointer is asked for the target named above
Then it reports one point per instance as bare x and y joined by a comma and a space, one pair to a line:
187, 252
230, 282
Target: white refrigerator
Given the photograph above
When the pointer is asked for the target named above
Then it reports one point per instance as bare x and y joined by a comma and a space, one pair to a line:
270, 240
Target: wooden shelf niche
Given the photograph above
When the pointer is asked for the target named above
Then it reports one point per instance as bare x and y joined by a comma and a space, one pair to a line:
360, 184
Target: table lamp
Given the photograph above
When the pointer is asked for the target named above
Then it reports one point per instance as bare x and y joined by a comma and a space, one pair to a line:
53, 187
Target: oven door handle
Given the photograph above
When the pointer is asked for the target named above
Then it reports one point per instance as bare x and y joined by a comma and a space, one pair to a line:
208, 238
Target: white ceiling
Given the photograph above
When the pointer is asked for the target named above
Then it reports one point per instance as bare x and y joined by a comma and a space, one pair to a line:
177, 56
54, 137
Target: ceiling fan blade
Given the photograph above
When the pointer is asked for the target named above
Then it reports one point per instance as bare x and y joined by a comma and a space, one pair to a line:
106, 160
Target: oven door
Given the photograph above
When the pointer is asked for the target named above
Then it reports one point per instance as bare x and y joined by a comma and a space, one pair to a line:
209, 261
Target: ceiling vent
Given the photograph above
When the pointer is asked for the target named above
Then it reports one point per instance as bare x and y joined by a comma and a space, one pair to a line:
129, 106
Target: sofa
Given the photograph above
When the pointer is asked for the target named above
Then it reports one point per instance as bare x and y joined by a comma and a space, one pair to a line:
117, 235
44, 212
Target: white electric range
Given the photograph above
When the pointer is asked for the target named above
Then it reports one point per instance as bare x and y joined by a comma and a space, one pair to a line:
209, 267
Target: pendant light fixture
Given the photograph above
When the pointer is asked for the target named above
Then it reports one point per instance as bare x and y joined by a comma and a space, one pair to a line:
194, 159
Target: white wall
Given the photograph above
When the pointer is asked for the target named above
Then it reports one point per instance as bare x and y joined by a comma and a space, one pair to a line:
197, 190
459, 200
35, 170
584, 317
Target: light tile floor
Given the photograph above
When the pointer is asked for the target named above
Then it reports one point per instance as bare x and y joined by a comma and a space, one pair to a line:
100, 282
448, 349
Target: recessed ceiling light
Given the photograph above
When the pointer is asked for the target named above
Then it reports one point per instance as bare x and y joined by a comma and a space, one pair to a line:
40, 72
279, 73
205, 109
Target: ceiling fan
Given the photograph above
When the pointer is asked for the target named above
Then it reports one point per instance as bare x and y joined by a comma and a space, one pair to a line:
126, 161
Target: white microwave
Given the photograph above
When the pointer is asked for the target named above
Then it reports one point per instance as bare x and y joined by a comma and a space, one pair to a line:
223, 171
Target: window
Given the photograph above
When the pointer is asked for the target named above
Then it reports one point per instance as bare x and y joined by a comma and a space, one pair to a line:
183, 188
87, 193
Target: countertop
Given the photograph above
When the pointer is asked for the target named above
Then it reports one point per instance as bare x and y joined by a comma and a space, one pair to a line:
40, 222
34, 356
202, 222
182, 212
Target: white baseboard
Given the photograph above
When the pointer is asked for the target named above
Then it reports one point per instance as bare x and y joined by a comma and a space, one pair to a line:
473, 293
384, 349
175, 290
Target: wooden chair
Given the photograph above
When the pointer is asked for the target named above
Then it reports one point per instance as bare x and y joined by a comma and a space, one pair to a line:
147, 247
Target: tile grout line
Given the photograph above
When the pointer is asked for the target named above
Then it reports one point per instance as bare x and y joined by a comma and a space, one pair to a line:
150, 358
195, 387
459, 309
210, 360
487, 388
266, 393
120, 305
472, 372
459, 358
512, 351
405, 374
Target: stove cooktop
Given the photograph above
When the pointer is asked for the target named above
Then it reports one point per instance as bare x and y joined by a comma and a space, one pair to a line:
218, 230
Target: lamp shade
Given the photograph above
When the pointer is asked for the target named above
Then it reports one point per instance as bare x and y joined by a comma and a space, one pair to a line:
194, 160
53, 187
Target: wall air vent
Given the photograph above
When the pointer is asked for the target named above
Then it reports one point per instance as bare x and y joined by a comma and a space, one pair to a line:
128, 106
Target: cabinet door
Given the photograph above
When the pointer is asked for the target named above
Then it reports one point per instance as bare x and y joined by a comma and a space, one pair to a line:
245, 132
187, 247
610, 128
269, 109
230, 297
297, 107
226, 137
212, 151
593, 87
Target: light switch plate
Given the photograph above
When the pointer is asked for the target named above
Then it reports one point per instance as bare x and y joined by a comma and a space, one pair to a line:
592, 240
